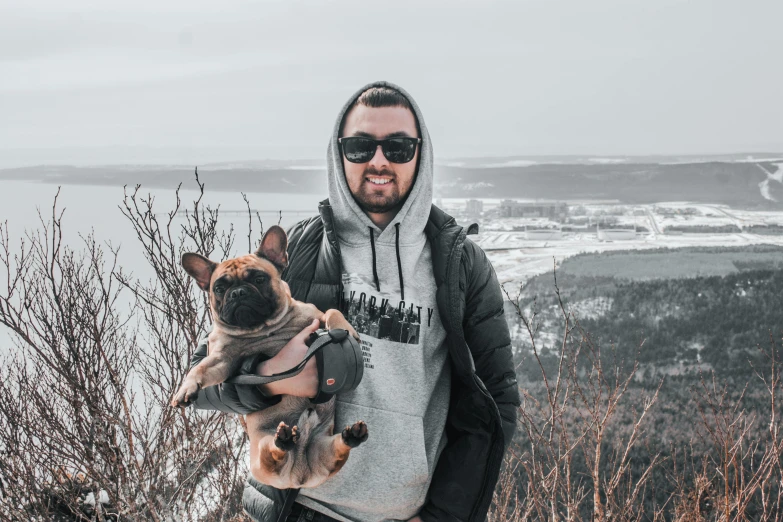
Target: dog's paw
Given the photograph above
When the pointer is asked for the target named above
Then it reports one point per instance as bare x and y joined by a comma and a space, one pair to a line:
356, 434
186, 395
285, 437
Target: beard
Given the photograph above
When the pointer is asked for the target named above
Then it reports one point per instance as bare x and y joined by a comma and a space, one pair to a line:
379, 200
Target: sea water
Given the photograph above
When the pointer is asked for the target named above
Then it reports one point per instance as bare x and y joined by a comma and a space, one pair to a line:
26, 206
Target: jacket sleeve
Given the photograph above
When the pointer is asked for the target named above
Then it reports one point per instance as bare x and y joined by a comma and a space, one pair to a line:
295, 232
231, 398
488, 337
239, 398
294, 235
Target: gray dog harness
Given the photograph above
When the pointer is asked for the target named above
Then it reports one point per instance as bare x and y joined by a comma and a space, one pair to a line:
338, 357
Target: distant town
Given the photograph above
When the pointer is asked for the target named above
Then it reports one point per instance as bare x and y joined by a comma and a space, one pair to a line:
610, 220
522, 237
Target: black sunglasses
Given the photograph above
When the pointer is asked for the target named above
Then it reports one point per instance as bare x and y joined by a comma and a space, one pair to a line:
358, 149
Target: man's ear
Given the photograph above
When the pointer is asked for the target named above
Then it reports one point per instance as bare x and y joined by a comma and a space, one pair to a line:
200, 268
274, 247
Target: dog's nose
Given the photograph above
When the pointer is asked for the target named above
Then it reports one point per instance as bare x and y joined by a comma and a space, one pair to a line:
238, 292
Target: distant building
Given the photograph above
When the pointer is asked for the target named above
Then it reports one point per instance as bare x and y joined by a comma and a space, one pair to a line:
606, 220
554, 210
615, 234
543, 234
676, 211
474, 207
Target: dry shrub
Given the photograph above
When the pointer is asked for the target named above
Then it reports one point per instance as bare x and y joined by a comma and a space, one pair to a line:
580, 428
86, 429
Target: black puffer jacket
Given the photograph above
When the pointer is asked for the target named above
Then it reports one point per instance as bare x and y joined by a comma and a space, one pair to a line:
484, 394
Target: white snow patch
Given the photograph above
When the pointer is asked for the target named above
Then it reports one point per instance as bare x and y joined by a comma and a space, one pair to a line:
591, 308
477, 185
778, 174
103, 498
764, 187
450, 163
775, 176
512, 163
607, 161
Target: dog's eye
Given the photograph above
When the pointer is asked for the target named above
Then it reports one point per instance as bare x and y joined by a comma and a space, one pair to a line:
218, 289
260, 279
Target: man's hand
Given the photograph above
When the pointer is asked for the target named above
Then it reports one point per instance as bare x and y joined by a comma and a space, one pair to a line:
303, 385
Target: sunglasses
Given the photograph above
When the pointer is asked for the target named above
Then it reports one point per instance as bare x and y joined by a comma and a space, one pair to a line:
358, 149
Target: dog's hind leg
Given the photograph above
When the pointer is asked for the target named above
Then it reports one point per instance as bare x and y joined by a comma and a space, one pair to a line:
332, 451
268, 454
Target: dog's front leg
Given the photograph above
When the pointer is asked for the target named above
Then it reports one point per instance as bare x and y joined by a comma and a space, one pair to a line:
213, 369
335, 319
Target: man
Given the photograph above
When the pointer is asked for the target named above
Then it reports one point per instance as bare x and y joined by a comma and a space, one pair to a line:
439, 392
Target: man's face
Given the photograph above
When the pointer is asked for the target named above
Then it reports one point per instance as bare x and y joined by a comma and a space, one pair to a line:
362, 178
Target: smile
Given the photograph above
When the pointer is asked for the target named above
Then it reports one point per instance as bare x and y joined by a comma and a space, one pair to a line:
379, 181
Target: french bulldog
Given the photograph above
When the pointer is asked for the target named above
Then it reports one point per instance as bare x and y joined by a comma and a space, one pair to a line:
292, 443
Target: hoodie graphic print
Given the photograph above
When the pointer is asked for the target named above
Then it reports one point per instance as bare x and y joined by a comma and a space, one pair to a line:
374, 315
389, 296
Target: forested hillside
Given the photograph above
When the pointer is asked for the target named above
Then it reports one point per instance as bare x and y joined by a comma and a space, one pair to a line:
669, 422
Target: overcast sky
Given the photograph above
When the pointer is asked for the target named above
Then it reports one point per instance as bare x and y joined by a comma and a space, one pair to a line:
195, 81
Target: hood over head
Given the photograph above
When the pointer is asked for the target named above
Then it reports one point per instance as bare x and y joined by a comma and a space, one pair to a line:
351, 223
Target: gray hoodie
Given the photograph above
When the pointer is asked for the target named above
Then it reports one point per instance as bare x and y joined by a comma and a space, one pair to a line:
389, 297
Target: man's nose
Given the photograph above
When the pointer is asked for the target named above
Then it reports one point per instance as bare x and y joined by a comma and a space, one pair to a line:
238, 292
379, 160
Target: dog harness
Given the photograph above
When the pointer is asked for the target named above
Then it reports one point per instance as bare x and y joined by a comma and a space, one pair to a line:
338, 358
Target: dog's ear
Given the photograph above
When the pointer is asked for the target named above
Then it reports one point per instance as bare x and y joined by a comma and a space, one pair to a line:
200, 268
274, 247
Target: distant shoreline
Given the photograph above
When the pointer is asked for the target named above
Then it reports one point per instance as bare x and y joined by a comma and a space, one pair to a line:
752, 184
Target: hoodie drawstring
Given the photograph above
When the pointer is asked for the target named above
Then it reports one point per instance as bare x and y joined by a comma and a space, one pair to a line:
374, 271
399, 264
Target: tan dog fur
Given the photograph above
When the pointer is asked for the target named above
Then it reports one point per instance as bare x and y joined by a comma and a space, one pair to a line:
292, 443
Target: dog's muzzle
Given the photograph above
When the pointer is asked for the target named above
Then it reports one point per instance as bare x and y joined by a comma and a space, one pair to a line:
245, 309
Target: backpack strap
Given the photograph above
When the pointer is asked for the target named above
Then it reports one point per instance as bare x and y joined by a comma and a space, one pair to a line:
290, 496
